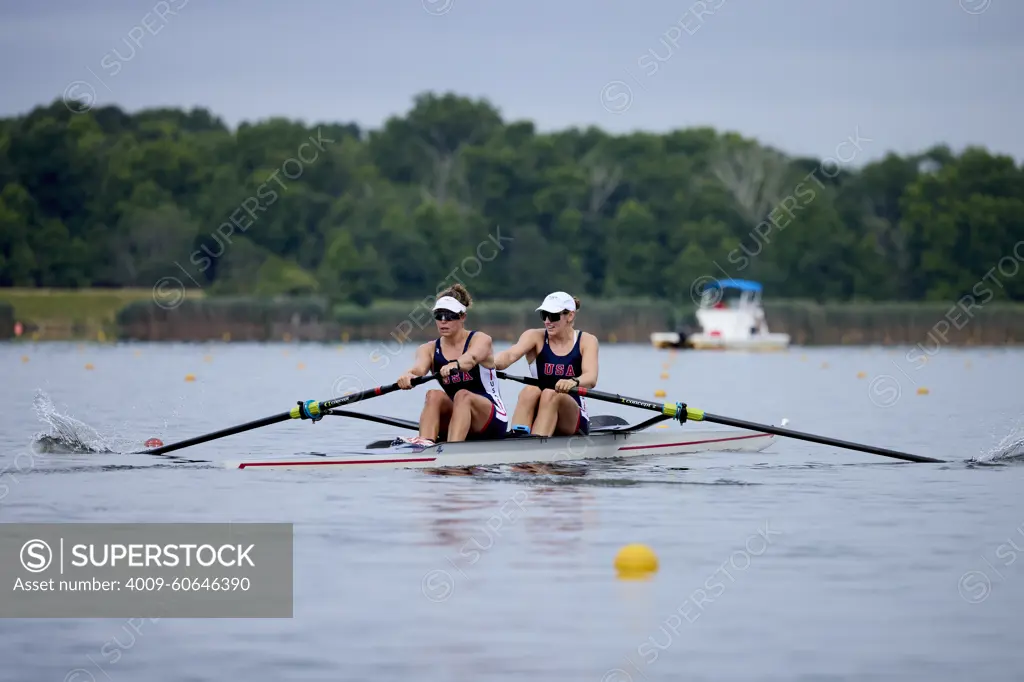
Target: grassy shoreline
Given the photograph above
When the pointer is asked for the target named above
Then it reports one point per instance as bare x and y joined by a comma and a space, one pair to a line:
68, 313
112, 314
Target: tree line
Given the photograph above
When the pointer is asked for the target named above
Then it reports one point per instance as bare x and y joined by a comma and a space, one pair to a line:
104, 198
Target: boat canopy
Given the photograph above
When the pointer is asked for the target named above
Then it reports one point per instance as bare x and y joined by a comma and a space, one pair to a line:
741, 284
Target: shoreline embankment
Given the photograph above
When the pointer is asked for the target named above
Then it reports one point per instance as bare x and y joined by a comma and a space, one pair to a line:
134, 315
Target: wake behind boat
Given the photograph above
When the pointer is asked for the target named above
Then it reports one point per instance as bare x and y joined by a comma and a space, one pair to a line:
617, 440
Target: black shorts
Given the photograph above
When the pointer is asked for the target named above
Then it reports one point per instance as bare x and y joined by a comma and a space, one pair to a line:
494, 428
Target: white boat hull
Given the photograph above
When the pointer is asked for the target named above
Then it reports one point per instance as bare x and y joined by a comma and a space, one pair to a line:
665, 339
600, 445
759, 342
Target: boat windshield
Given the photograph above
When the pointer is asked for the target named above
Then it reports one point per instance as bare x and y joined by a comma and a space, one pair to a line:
729, 299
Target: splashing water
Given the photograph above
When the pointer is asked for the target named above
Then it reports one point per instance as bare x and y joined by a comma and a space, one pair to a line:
1010, 450
68, 435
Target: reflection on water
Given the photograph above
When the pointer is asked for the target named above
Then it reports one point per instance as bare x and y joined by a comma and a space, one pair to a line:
563, 514
449, 520
550, 518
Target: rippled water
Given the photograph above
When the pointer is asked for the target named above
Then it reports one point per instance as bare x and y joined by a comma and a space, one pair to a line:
802, 562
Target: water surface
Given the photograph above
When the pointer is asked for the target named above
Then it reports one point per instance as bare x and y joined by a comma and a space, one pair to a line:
802, 562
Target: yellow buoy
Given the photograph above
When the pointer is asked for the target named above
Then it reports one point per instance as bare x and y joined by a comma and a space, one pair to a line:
661, 426
861, 375
922, 390
88, 365
302, 366
664, 375
190, 377
659, 393
207, 358
636, 560
24, 358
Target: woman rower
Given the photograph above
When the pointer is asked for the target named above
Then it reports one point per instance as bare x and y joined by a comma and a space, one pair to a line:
468, 406
561, 358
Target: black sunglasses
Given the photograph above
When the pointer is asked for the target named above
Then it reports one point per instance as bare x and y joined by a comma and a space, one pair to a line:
554, 317
446, 315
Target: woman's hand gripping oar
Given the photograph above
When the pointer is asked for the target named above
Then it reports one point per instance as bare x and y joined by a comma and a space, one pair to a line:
310, 409
682, 412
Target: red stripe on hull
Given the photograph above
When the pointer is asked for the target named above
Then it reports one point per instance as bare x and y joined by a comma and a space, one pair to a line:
692, 442
334, 462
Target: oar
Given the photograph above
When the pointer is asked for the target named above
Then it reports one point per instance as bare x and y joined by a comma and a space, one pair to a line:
380, 419
682, 412
309, 409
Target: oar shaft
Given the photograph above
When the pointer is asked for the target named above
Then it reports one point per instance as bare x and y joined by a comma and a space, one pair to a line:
369, 393
824, 440
379, 419
665, 408
248, 426
315, 408
693, 414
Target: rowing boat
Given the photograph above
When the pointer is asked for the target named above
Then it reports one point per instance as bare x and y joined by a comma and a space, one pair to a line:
611, 437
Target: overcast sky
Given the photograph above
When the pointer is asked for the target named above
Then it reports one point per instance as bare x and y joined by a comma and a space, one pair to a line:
801, 75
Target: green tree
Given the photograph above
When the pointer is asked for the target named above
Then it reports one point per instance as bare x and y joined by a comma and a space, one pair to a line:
279, 206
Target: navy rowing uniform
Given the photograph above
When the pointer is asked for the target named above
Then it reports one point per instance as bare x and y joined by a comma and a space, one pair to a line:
549, 368
479, 380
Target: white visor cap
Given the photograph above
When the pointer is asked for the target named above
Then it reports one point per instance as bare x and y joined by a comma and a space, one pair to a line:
449, 303
557, 302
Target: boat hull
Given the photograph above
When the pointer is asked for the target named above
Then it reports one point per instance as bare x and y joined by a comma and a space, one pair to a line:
759, 342
666, 340
603, 445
